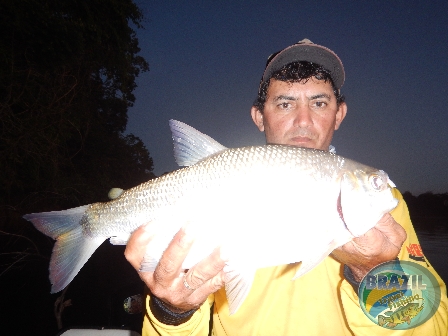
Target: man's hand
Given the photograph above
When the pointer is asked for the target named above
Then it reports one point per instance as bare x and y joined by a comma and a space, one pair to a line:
167, 281
380, 244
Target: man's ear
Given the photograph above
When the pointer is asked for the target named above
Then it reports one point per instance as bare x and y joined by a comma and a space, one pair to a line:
340, 115
257, 117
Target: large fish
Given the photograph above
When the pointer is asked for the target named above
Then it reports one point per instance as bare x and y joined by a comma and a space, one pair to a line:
265, 205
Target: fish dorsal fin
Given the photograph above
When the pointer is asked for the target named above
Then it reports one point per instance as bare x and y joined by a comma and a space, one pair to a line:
190, 145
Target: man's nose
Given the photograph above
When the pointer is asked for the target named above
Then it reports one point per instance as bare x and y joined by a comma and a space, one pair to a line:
302, 117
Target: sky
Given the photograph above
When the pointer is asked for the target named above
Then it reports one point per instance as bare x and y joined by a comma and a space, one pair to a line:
206, 59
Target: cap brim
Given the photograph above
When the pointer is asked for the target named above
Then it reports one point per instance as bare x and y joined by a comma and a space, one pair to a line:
312, 53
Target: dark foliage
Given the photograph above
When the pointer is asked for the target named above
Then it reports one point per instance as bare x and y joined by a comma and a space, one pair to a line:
67, 75
427, 209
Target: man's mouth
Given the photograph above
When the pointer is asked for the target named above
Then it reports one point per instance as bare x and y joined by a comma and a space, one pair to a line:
301, 140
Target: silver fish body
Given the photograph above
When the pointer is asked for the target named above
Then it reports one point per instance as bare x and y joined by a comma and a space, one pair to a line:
265, 205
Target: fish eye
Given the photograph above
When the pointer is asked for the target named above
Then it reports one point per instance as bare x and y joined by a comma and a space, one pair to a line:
376, 182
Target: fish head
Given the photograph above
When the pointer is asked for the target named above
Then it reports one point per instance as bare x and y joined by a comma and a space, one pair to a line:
366, 195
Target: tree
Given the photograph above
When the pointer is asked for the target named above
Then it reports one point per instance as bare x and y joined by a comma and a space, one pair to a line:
67, 75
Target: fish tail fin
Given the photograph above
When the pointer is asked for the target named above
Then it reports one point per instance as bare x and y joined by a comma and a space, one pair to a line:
72, 248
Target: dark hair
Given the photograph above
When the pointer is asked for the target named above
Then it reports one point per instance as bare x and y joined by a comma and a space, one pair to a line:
297, 72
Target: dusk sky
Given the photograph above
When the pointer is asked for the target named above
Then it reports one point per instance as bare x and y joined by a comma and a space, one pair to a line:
206, 59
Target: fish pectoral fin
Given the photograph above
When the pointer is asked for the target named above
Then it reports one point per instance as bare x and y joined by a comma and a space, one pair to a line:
119, 240
308, 265
317, 257
148, 264
190, 145
237, 287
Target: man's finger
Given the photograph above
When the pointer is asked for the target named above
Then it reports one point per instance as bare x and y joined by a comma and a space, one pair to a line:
392, 230
170, 265
205, 270
206, 277
136, 246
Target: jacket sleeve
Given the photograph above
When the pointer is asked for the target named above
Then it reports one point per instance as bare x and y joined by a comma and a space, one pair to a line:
198, 324
360, 324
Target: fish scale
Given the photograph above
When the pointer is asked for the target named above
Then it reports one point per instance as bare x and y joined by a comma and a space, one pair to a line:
279, 202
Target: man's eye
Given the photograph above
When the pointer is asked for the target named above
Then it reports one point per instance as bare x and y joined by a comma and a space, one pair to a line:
320, 104
284, 105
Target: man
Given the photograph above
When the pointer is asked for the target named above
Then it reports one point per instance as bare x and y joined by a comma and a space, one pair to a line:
299, 103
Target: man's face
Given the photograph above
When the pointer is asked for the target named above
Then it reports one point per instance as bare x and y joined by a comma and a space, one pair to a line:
304, 115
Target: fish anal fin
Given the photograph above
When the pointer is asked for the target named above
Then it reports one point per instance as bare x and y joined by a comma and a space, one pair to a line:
237, 287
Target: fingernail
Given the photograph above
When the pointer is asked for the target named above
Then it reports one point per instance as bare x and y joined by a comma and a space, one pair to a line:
224, 253
190, 230
188, 234
146, 226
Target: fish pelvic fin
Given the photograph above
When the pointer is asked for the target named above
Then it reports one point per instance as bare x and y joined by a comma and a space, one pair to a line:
237, 287
148, 264
119, 240
190, 145
72, 248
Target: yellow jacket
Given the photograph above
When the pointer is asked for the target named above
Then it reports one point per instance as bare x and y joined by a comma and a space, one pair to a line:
321, 302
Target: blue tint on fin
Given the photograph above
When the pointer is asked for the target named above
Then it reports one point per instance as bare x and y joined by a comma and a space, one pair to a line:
56, 223
72, 248
70, 252
190, 145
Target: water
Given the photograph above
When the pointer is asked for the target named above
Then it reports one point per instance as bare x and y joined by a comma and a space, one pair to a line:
434, 243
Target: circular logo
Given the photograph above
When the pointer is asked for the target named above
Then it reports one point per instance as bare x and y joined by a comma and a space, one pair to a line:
399, 295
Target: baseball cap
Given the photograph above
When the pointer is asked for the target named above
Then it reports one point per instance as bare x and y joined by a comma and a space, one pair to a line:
306, 50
